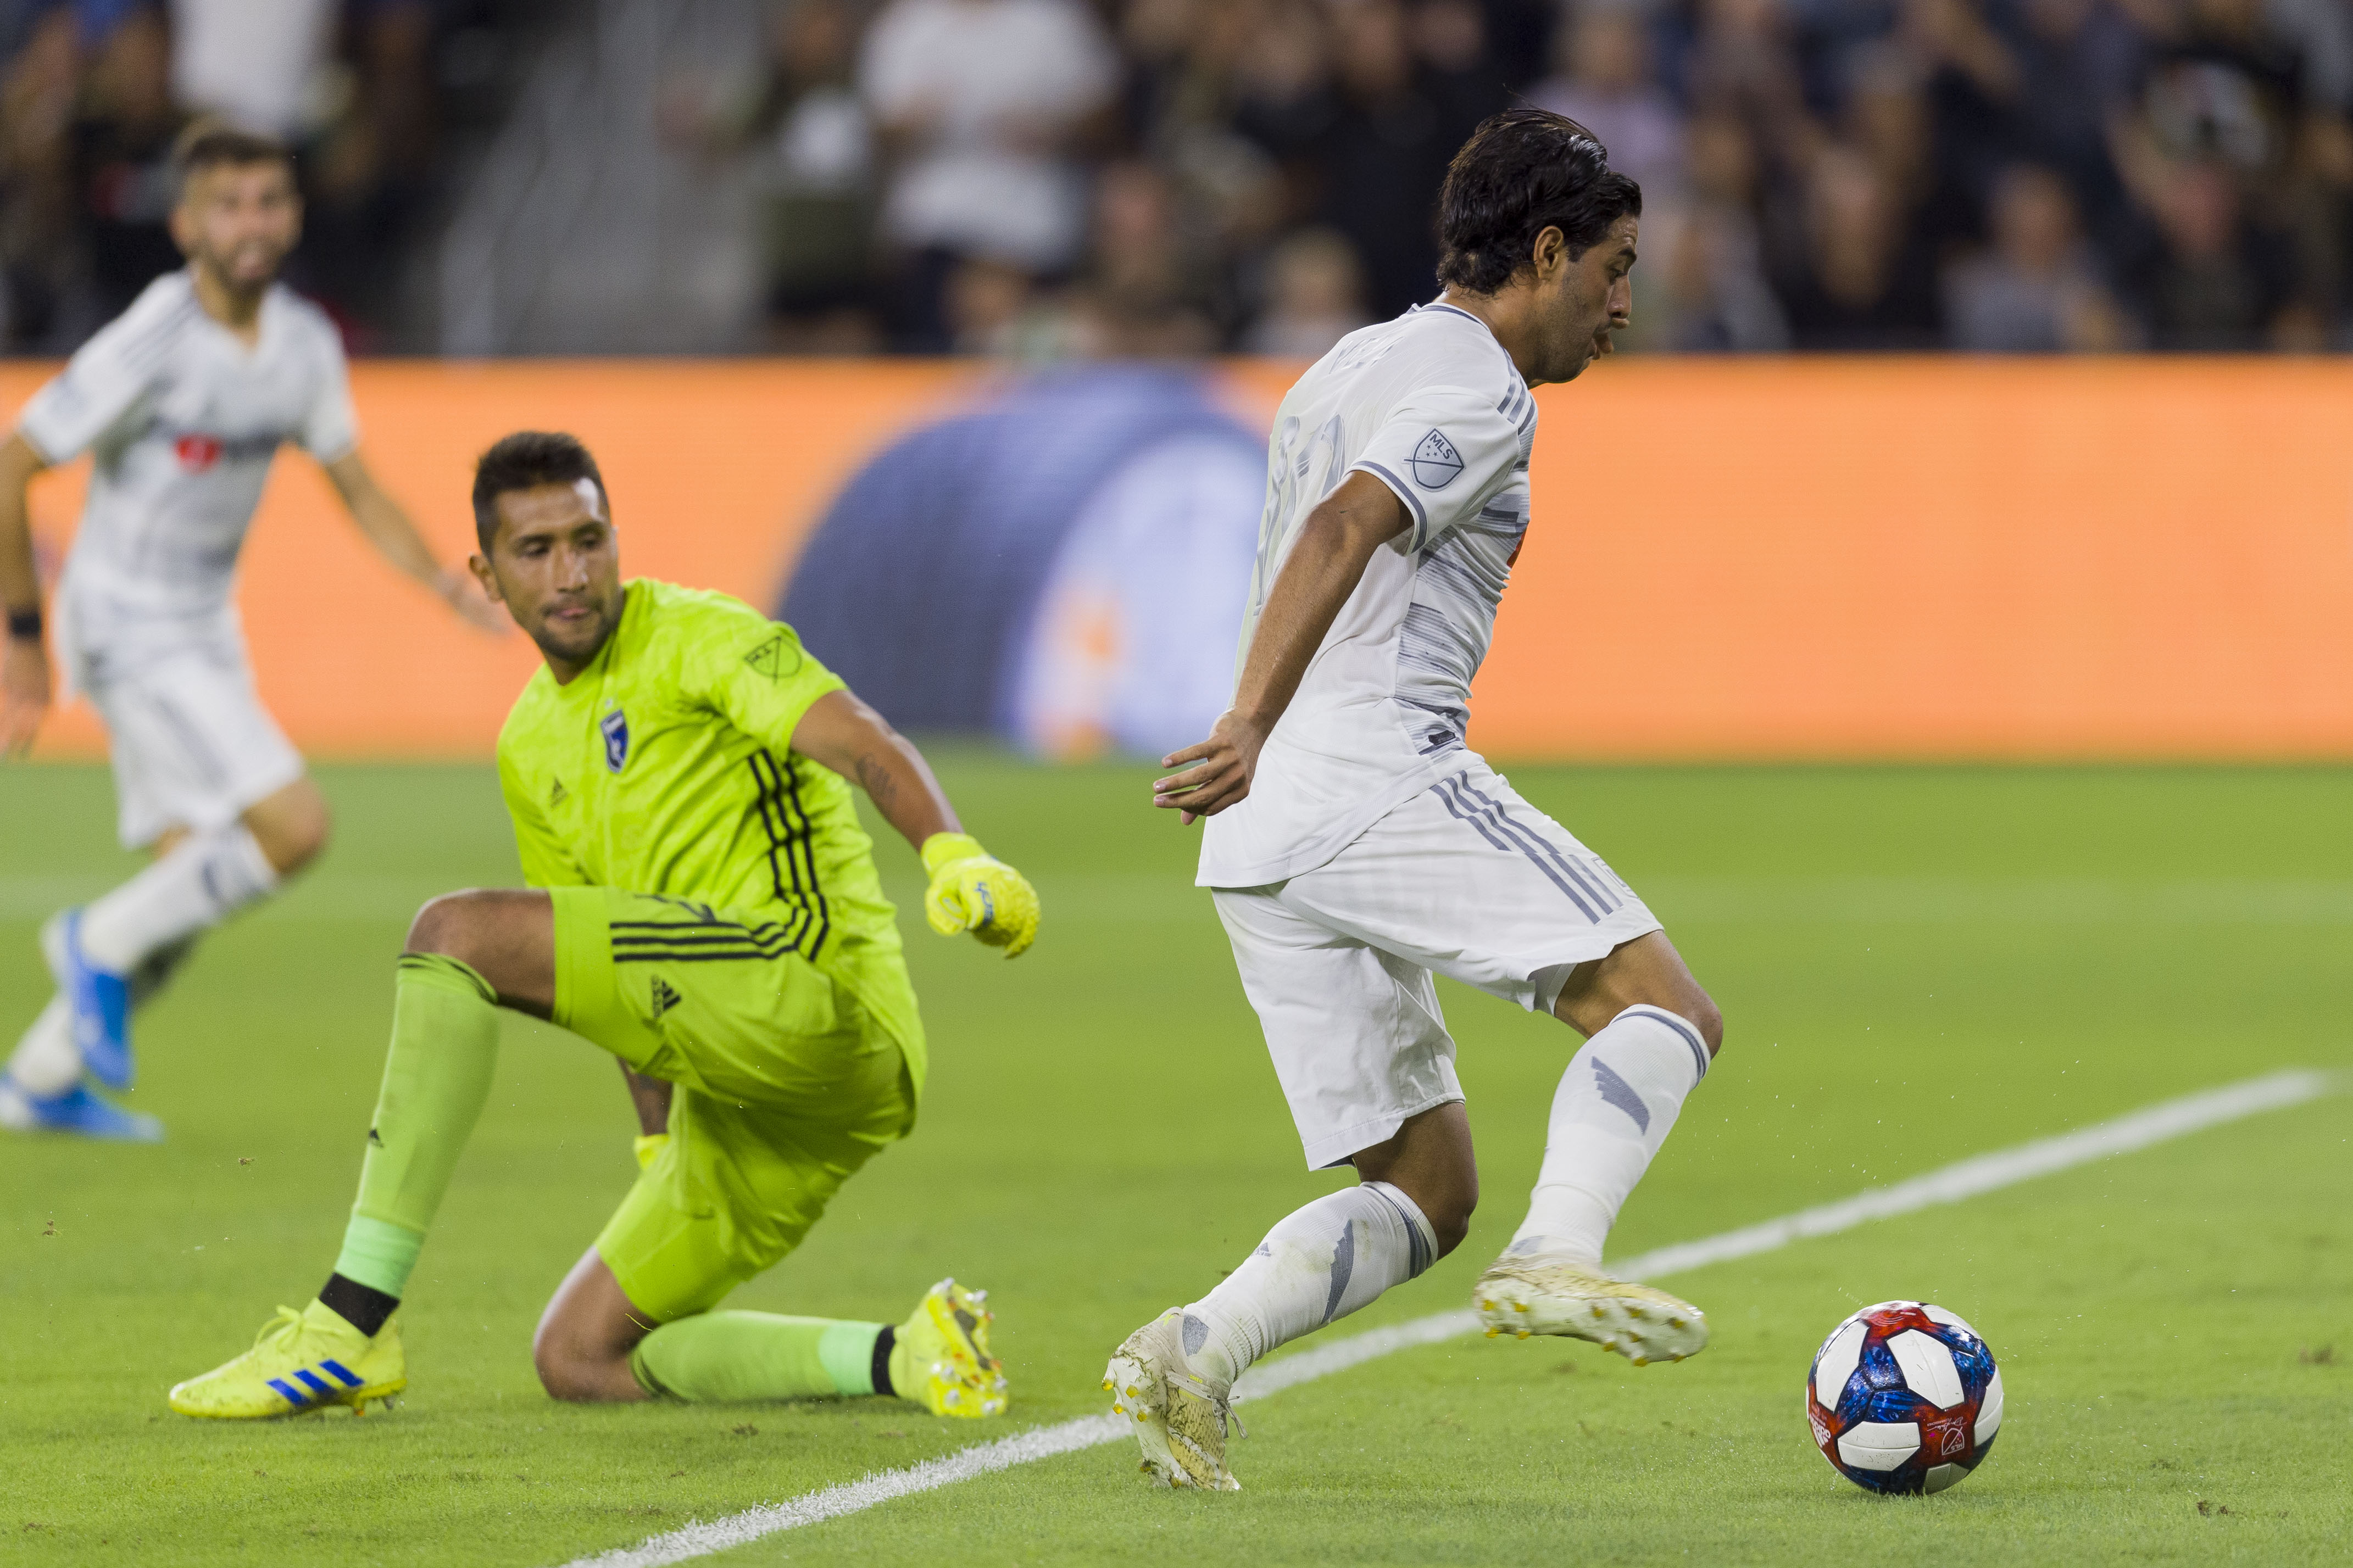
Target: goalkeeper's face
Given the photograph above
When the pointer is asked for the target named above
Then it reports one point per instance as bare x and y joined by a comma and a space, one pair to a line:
555, 564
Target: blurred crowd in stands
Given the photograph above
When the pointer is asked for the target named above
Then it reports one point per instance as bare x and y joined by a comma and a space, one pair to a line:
94, 93
1048, 178
1844, 175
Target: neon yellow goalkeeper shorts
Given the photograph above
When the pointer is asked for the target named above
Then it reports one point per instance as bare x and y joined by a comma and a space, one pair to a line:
783, 1086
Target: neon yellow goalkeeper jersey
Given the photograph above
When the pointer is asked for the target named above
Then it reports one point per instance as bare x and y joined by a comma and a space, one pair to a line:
667, 767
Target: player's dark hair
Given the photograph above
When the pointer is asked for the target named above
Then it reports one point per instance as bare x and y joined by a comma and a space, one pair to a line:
213, 145
1524, 171
523, 461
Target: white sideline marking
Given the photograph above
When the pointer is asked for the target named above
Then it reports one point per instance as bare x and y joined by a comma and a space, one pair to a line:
1983, 1174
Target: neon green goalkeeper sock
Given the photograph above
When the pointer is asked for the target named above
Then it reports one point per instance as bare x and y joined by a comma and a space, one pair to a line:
722, 1357
436, 1079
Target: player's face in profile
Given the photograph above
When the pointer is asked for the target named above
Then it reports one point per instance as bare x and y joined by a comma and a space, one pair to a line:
237, 221
555, 564
1592, 297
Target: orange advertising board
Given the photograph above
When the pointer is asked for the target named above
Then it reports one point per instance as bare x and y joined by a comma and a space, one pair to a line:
1935, 558
1760, 558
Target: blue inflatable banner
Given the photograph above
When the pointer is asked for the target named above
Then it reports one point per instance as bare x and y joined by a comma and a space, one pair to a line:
1064, 567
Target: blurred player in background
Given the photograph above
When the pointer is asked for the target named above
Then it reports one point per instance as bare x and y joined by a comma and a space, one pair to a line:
184, 399
1357, 846
707, 910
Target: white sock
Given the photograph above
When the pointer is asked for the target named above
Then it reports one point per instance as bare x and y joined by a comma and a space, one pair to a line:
1615, 1106
199, 884
1319, 1263
46, 1062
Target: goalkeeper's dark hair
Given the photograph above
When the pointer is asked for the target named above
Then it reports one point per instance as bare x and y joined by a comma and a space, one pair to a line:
1524, 171
523, 461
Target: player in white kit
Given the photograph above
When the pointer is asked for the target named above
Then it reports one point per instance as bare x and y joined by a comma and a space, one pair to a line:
183, 400
1357, 848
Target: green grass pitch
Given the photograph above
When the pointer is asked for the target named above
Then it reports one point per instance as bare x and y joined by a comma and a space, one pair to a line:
1917, 965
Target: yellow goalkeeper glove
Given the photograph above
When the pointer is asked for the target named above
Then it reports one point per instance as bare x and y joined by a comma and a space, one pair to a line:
973, 890
650, 1146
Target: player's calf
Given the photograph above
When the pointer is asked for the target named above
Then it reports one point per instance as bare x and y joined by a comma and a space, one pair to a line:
1431, 1160
1644, 973
292, 827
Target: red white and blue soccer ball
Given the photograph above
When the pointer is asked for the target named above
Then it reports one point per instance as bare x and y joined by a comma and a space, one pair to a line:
1904, 1397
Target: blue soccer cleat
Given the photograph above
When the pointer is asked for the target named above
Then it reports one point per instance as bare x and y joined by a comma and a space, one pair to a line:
100, 1000
79, 1112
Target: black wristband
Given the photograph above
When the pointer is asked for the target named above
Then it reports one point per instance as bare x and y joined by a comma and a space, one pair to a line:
26, 624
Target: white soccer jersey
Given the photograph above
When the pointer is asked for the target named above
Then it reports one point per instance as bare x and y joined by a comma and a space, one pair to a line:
1431, 405
184, 419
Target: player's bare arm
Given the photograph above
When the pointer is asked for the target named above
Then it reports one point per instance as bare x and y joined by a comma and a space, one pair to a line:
388, 527
25, 668
1324, 565
970, 890
841, 732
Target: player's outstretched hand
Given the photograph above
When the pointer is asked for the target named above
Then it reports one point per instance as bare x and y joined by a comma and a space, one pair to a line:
1226, 763
465, 595
974, 890
24, 695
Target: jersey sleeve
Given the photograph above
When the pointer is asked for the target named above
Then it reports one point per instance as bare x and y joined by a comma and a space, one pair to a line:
1446, 450
755, 673
106, 378
332, 428
546, 863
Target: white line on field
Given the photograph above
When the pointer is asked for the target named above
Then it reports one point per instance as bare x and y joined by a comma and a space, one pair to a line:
1983, 1174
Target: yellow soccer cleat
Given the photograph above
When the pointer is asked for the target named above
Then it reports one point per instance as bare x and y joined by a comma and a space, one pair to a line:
1549, 1293
940, 1356
974, 890
300, 1361
1180, 1418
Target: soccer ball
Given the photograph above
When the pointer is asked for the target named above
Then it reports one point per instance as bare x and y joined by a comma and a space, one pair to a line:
1904, 1397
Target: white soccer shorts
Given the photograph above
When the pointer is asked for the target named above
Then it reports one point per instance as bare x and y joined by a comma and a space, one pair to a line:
1465, 879
192, 744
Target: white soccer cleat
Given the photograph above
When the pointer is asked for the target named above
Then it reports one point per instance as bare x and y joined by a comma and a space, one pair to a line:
1549, 1293
1180, 1418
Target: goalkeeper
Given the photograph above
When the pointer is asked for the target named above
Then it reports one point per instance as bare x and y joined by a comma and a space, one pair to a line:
705, 906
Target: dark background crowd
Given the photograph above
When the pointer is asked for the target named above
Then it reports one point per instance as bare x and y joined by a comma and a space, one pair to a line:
370, 94
1050, 178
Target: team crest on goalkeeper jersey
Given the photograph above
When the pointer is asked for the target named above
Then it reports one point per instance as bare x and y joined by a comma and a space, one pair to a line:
615, 727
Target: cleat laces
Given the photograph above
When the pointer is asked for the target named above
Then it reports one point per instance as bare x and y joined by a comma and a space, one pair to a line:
280, 1331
